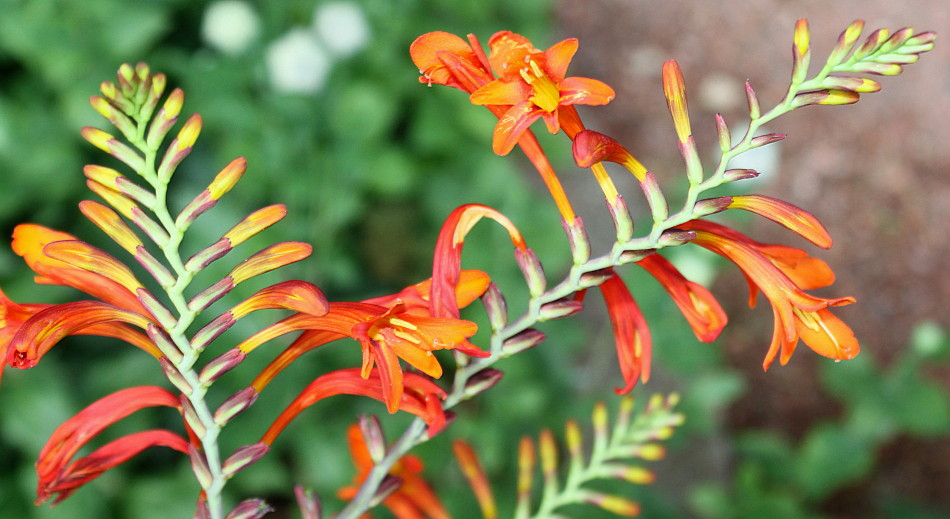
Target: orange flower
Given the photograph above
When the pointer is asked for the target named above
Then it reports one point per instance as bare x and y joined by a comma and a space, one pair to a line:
414, 499
534, 85
446, 59
781, 273
387, 328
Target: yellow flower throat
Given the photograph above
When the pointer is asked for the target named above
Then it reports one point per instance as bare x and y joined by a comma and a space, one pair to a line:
546, 93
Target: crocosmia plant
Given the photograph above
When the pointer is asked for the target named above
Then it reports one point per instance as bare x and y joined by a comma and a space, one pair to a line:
419, 349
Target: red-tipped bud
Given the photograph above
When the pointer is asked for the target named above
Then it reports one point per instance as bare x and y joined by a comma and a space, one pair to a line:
482, 381
522, 341
533, 272
221, 365
373, 437
242, 458
234, 405
559, 309
199, 465
250, 509
495, 306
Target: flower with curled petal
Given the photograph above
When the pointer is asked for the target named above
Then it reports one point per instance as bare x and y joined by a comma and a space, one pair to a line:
782, 274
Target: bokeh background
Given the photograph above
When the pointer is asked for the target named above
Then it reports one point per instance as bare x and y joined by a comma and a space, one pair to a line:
322, 99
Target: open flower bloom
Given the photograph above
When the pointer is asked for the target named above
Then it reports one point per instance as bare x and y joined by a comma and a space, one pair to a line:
420, 397
782, 274
388, 328
534, 85
702, 311
60, 474
446, 59
414, 499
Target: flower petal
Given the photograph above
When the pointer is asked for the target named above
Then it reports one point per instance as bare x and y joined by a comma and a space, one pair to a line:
558, 57
585, 91
73, 434
416, 399
298, 296
47, 327
501, 92
447, 262
29, 241
509, 53
788, 215
630, 332
104, 458
512, 125
446, 59
702, 311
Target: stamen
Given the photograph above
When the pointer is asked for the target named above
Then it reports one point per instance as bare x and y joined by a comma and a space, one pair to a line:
407, 336
535, 68
404, 324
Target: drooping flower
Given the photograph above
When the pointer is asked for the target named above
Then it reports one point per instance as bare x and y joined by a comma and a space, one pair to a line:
60, 475
420, 397
782, 274
413, 499
631, 333
702, 311
389, 328
534, 85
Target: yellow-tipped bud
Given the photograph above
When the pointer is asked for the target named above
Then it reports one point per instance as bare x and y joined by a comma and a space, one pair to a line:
189, 132
801, 37
674, 88
227, 178
255, 223
120, 202
273, 257
111, 224
98, 138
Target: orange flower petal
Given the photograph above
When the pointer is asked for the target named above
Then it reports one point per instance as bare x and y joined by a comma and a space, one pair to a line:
788, 215
585, 91
501, 92
446, 59
512, 125
558, 57
416, 399
702, 311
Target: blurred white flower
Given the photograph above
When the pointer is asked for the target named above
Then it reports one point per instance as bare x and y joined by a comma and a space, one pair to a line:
297, 63
230, 26
342, 27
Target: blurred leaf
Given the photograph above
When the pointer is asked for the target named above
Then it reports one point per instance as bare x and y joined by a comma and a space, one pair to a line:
830, 459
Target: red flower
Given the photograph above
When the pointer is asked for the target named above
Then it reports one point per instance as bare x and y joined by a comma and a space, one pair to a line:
414, 499
782, 273
702, 311
631, 333
60, 474
420, 397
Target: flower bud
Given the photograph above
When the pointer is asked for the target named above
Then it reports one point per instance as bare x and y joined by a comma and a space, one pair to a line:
522, 341
234, 405
559, 309
532, 270
243, 457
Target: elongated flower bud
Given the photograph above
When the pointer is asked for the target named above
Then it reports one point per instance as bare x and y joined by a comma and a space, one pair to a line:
243, 457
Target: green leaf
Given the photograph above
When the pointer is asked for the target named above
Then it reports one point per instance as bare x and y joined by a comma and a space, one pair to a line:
831, 458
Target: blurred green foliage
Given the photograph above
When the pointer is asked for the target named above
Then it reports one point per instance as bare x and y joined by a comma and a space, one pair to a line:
368, 166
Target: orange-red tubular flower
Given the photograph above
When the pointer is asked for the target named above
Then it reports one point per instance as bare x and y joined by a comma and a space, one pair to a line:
447, 262
415, 301
631, 333
414, 499
59, 474
533, 83
785, 214
778, 273
27, 332
702, 311
421, 397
